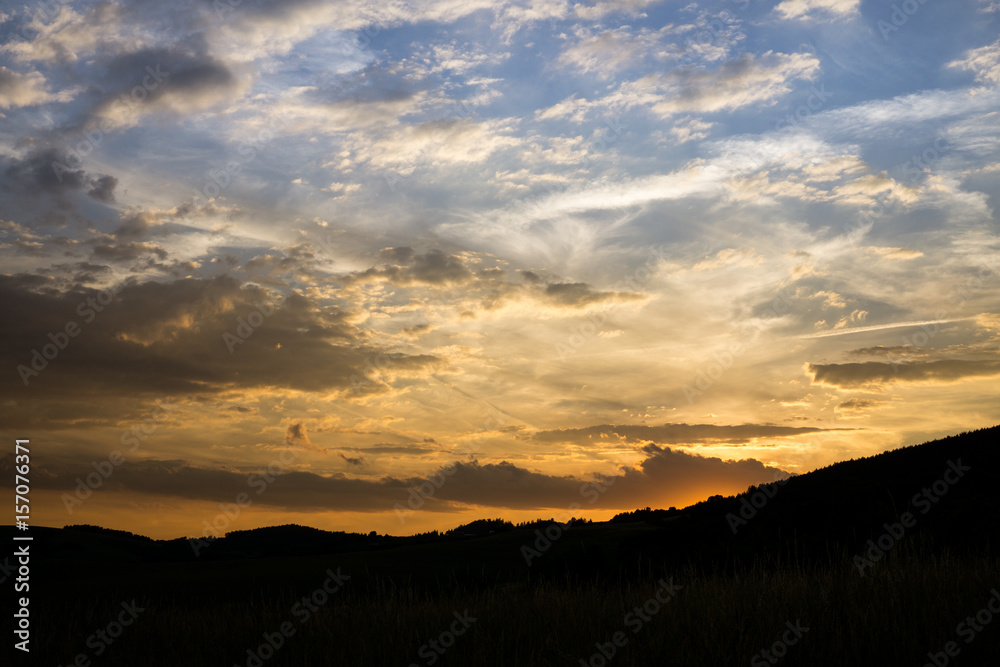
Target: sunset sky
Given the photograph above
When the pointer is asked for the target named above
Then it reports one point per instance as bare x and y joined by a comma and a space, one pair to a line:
510, 247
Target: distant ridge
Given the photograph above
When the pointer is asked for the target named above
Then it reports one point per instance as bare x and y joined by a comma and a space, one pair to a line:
845, 504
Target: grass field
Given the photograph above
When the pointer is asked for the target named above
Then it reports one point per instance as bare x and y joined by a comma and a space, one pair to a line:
908, 605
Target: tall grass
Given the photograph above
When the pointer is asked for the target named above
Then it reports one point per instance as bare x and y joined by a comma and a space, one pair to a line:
899, 611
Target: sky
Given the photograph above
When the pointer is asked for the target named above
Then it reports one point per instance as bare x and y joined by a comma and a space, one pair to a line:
398, 266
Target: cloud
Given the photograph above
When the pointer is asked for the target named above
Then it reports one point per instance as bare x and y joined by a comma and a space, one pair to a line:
506, 228
104, 188
984, 62
297, 435
192, 336
901, 254
809, 9
51, 171
126, 251
274, 27
876, 373
690, 129
674, 433
177, 80
420, 449
664, 477
729, 257
353, 460
59, 34
611, 50
579, 295
434, 267
375, 97
458, 59
25, 90
595, 11
669, 477
434, 143
746, 80
486, 288
887, 351
739, 167
859, 405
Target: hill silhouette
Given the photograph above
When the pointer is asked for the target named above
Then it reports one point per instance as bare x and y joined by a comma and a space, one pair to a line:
889, 551
846, 504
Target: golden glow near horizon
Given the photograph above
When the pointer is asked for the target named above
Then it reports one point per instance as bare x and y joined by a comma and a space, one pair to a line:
398, 269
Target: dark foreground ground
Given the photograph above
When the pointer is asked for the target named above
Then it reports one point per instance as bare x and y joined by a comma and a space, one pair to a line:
799, 580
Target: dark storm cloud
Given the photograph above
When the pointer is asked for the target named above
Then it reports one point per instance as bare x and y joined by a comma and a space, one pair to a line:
104, 188
675, 433
182, 78
135, 227
879, 373
50, 171
82, 272
663, 477
186, 337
